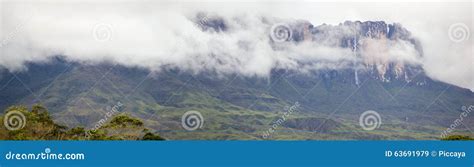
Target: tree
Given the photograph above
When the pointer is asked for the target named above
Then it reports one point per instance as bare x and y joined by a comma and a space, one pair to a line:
457, 137
40, 126
151, 136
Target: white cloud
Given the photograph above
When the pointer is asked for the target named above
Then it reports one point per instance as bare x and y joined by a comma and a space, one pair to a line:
160, 33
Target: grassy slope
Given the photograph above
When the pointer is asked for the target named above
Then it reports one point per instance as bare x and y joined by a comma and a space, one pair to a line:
242, 108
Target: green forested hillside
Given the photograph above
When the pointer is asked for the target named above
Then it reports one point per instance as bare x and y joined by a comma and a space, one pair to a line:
238, 107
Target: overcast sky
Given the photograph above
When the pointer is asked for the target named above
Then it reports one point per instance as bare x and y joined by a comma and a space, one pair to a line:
152, 34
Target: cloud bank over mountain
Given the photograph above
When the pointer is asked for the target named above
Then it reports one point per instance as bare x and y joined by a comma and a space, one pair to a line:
234, 37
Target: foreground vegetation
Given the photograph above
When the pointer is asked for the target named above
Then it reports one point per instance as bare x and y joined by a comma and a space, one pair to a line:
40, 126
457, 137
225, 126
